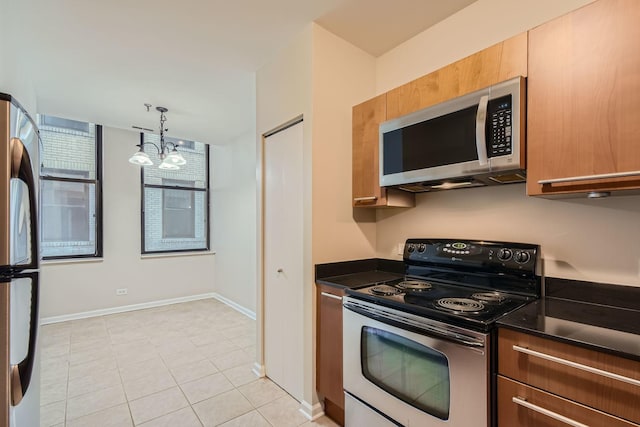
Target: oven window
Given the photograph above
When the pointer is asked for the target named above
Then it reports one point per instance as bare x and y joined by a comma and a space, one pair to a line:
416, 374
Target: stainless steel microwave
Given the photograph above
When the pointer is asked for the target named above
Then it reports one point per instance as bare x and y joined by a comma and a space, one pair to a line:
473, 140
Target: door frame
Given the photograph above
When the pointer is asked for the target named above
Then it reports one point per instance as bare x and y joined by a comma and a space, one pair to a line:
259, 365
310, 405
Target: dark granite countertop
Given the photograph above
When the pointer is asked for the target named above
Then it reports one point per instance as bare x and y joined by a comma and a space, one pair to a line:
598, 316
359, 273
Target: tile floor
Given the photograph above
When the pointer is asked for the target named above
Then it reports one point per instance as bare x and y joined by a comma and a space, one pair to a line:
180, 365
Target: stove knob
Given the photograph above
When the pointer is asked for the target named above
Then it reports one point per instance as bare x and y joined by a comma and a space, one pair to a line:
411, 248
422, 247
504, 254
522, 257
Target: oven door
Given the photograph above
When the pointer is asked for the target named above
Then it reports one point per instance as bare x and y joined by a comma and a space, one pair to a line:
415, 371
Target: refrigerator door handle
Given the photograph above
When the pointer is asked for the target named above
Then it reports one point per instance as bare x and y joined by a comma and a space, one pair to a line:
21, 373
21, 168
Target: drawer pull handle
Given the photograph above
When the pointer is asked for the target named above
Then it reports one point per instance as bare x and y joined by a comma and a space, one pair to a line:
522, 402
365, 199
328, 295
589, 177
580, 366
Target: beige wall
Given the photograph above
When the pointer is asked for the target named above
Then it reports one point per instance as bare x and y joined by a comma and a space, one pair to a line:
70, 288
581, 239
283, 92
342, 76
321, 77
595, 240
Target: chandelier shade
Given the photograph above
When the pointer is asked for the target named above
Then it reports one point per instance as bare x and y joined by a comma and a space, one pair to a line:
140, 158
168, 153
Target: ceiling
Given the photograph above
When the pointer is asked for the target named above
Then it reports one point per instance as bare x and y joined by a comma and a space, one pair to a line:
101, 61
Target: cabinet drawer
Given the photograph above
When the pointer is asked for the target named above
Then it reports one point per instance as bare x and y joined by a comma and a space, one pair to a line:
601, 381
522, 406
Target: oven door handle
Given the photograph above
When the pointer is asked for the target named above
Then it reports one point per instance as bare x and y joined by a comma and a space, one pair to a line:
393, 319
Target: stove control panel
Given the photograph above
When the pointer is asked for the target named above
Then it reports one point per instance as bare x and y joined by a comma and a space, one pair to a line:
484, 254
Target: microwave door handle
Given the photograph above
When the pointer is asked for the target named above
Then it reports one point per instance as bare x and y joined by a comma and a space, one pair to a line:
21, 168
481, 136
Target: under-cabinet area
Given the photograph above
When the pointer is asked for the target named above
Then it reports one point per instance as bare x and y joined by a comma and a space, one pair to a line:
543, 382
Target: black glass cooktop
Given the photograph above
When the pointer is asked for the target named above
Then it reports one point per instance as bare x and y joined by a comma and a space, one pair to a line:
473, 307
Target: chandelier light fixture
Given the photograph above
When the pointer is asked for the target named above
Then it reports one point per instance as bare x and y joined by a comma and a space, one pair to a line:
167, 151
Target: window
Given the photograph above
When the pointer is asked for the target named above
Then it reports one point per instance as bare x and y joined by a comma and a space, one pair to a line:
175, 204
70, 188
178, 210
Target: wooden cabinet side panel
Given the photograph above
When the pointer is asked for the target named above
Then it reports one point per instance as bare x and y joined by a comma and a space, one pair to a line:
583, 103
605, 394
329, 345
497, 63
365, 139
511, 414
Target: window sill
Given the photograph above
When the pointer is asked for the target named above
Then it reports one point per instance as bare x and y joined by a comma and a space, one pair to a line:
70, 261
177, 254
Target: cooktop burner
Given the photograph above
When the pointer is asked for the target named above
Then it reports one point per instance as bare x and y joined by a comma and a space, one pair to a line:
385, 290
414, 285
489, 297
465, 305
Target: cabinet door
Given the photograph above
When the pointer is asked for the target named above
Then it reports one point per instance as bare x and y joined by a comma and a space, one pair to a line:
583, 100
366, 146
520, 405
329, 350
598, 380
492, 65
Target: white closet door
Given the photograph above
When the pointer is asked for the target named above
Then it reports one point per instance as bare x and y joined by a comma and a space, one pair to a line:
283, 249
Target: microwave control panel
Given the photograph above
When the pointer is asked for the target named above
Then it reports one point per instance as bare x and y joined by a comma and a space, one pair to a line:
500, 140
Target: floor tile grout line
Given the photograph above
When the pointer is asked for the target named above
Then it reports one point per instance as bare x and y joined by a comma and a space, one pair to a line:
235, 323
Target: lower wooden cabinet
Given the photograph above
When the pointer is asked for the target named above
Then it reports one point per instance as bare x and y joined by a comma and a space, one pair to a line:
520, 405
329, 350
543, 382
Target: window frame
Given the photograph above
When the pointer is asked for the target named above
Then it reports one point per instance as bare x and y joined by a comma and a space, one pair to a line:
207, 215
97, 181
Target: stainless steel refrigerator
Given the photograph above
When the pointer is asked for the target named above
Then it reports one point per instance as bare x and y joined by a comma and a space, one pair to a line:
19, 263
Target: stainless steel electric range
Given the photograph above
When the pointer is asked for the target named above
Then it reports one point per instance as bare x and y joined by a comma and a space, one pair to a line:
418, 350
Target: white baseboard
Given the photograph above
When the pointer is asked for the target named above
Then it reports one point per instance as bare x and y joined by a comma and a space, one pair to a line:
311, 412
234, 305
123, 309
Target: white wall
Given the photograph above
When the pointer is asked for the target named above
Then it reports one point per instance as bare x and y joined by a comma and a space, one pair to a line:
14, 42
70, 288
596, 240
233, 222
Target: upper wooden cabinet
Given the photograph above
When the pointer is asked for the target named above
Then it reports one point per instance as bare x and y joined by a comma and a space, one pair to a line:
490, 66
584, 100
495, 64
365, 176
